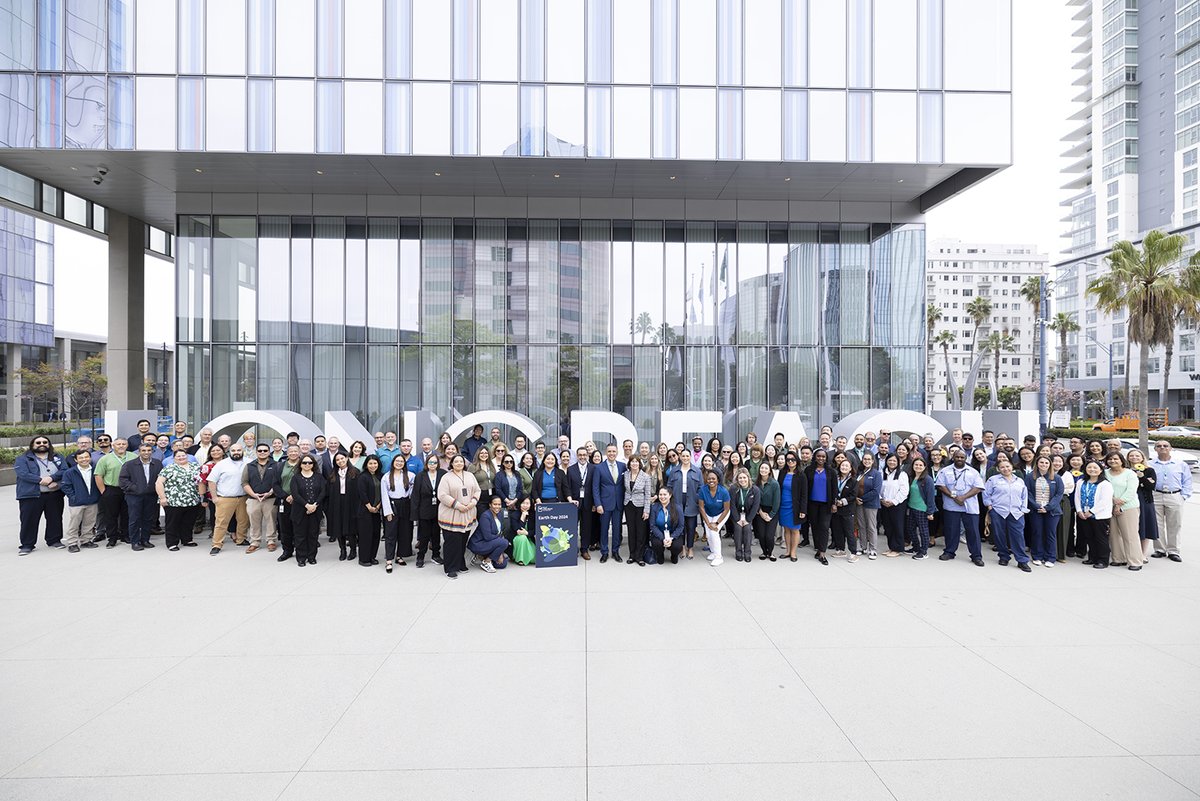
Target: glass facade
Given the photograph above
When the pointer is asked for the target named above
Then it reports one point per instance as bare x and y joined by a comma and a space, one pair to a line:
755, 80
26, 280
544, 316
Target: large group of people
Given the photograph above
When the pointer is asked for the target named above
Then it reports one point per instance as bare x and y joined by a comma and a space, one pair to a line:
1039, 504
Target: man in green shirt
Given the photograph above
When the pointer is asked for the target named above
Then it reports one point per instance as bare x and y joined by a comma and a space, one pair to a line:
114, 520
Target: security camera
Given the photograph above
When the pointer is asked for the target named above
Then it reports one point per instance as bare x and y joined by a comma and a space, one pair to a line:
97, 179
102, 170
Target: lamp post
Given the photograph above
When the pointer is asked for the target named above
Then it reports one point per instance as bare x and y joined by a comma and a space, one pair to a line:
1108, 350
1043, 410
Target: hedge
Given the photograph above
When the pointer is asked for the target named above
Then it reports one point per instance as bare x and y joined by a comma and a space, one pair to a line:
1087, 435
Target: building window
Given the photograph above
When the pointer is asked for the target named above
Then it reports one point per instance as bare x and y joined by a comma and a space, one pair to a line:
1189, 158
1189, 179
1112, 189
1114, 206
1090, 371
1187, 364
1113, 225
1187, 341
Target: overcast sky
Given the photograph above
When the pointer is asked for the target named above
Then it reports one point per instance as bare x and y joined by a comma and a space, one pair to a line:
1020, 204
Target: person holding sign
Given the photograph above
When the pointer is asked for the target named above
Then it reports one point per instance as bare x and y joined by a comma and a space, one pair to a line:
666, 527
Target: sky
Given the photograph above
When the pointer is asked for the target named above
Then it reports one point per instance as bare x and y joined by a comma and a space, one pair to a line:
1020, 204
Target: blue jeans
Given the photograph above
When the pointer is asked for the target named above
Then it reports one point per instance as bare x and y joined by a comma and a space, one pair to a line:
953, 524
1043, 535
1009, 533
143, 514
611, 519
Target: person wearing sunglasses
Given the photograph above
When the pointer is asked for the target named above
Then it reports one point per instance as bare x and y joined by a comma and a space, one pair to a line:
308, 489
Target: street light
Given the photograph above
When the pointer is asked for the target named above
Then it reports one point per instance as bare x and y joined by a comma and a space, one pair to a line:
1107, 350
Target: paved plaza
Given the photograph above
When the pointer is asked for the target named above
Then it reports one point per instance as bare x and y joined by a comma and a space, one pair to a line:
161, 675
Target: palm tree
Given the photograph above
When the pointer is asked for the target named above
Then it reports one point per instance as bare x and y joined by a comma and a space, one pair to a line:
1063, 324
1150, 286
644, 325
980, 311
995, 344
944, 340
1031, 293
933, 315
1189, 306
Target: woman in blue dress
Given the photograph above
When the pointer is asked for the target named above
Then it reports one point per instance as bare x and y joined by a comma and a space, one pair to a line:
793, 503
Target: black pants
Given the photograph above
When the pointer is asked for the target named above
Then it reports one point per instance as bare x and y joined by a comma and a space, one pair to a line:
287, 529
454, 554
585, 526
638, 531
1094, 533
143, 515
689, 529
843, 532
397, 534
817, 524
893, 518
48, 505
660, 551
368, 538
764, 530
114, 517
305, 531
180, 520
428, 538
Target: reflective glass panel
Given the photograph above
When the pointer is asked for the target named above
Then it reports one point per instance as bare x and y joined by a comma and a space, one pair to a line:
87, 39
120, 113
86, 111
18, 21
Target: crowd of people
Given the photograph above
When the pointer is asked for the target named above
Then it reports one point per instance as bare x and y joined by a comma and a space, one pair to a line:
1039, 504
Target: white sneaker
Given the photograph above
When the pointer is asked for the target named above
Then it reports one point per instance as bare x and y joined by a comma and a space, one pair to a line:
1047, 564
487, 566
872, 555
838, 554
853, 558
711, 556
716, 562
1038, 562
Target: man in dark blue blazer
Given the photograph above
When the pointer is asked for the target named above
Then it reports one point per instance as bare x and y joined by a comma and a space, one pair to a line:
579, 491
137, 481
608, 493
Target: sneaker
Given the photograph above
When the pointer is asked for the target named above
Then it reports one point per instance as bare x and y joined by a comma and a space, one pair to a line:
872, 555
716, 562
487, 566
1038, 562
1047, 564
711, 556
172, 547
24, 551
920, 556
72, 549
451, 575
853, 558
838, 554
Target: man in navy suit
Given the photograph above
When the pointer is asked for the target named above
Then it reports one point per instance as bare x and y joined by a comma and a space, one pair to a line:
137, 480
579, 490
608, 493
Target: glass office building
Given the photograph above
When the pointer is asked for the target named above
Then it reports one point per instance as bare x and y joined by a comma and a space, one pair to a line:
536, 205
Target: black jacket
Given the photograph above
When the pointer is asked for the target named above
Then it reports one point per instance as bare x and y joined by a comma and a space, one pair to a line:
132, 480
560, 486
424, 496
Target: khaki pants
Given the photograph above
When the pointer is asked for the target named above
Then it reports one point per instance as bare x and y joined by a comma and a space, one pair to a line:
227, 508
262, 520
1168, 508
80, 524
1123, 537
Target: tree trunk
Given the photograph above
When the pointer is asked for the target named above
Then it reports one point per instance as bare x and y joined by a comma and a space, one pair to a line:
1143, 399
951, 384
1062, 359
996, 380
1126, 402
1169, 354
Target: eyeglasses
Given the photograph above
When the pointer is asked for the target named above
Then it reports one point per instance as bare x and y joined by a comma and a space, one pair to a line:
726, 452
263, 450
790, 459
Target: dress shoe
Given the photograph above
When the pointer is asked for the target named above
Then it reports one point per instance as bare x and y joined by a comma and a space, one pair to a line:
1004, 563
1118, 564
946, 557
111, 544
1100, 565
420, 562
1158, 554
72, 549
374, 561
977, 561
137, 546
804, 542
437, 560
674, 559
1174, 557
1088, 562
283, 557
191, 544
214, 552
149, 544
1135, 567
89, 545
301, 563
1025, 568
342, 556
629, 561
823, 560
312, 560
603, 558
616, 555
587, 557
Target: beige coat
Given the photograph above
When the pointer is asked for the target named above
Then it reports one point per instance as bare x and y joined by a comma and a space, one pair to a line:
457, 497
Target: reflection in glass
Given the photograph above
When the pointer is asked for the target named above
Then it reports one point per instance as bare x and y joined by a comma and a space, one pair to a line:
274, 275
622, 283
570, 283
193, 273
595, 274
20, 35
729, 42
466, 40
500, 111
329, 285
599, 121
17, 116
397, 130
647, 312
565, 121
462, 277
397, 20
86, 40
533, 121
329, 116
665, 25
755, 289
302, 299
191, 37
50, 111
381, 387
437, 289
729, 124
120, 113
329, 381
272, 369
410, 280
260, 121
533, 40
234, 279
86, 111
666, 123
600, 41
466, 119
929, 15
302, 379
542, 256
190, 130
50, 22
261, 36
383, 279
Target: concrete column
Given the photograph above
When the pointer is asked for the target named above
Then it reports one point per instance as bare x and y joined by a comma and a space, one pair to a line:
126, 353
14, 383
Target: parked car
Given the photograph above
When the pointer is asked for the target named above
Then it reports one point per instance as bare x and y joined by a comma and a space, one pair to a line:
1176, 431
1190, 458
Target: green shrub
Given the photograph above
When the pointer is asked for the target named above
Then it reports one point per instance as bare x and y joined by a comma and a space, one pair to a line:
1187, 443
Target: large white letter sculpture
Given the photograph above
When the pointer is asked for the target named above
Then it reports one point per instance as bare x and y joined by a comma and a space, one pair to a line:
673, 425
518, 422
236, 423
787, 423
347, 428
899, 421
586, 424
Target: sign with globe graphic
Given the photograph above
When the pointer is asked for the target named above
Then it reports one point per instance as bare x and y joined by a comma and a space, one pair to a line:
557, 539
